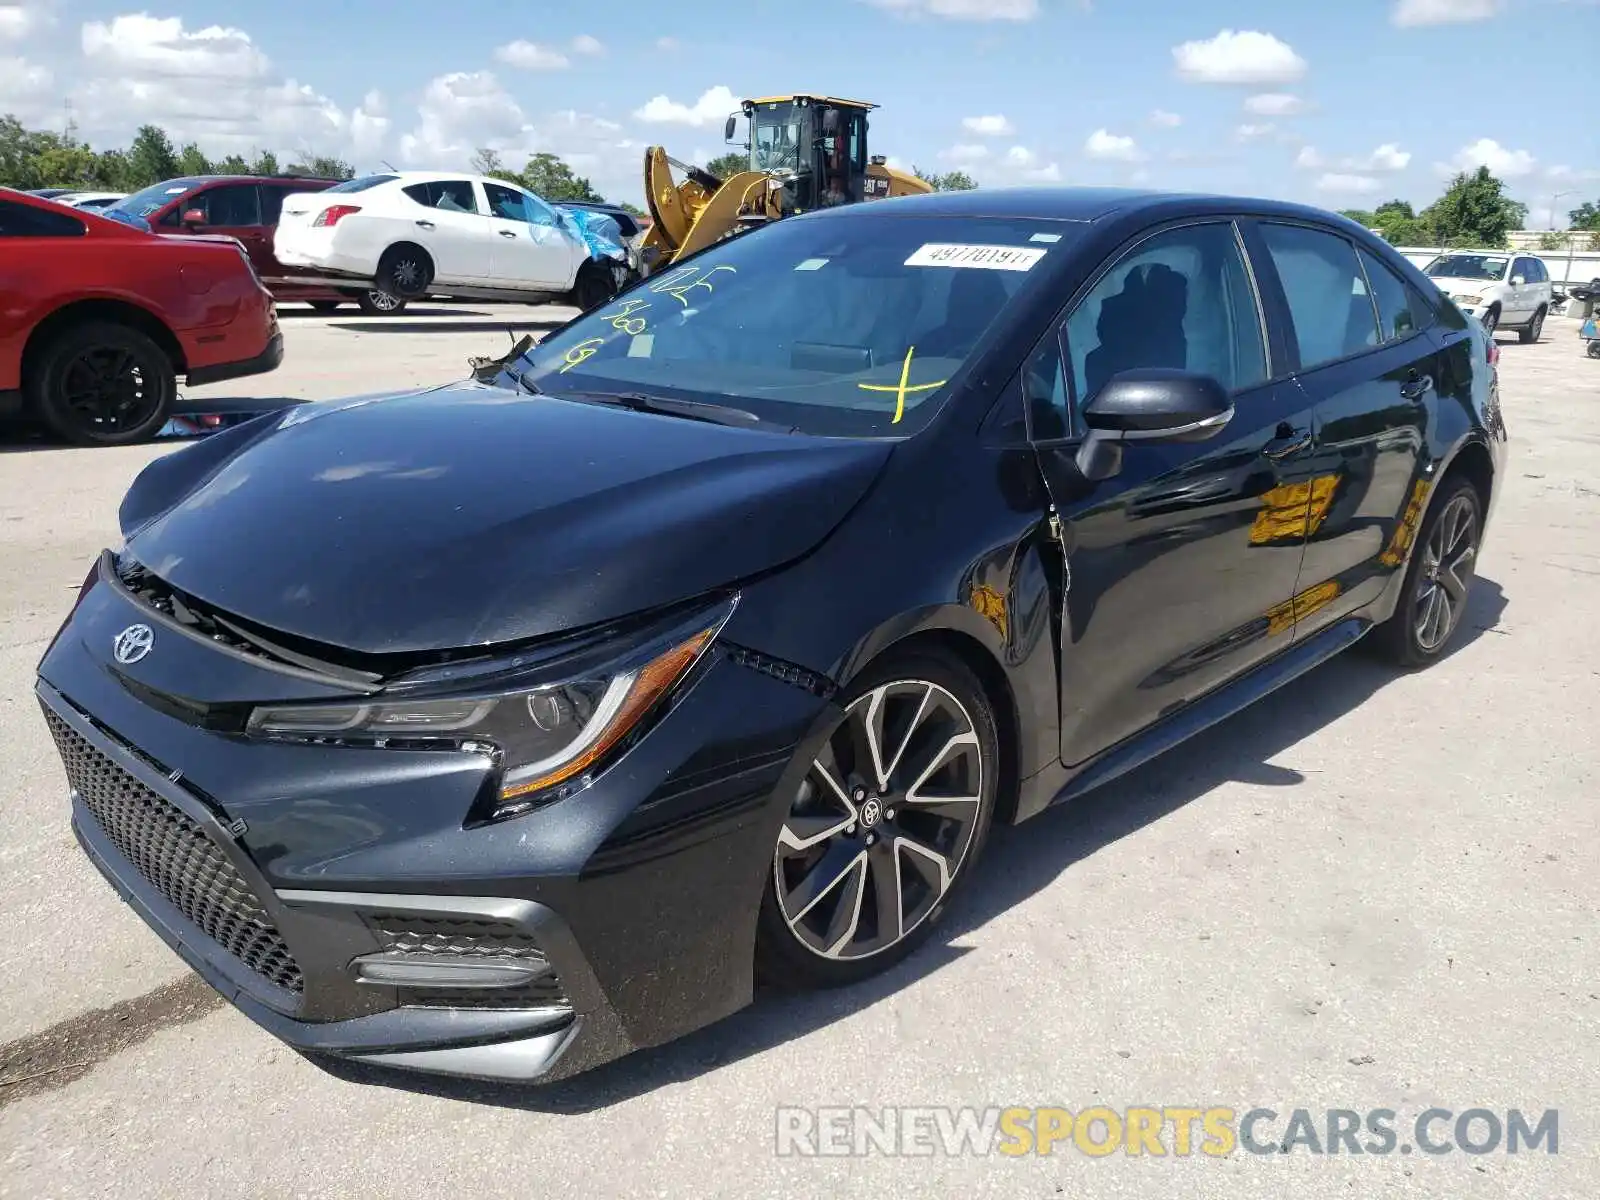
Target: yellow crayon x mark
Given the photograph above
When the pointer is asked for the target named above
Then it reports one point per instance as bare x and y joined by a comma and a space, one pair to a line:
902, 388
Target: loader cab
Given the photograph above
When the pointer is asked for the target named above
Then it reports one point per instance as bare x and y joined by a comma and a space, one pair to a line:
816, 144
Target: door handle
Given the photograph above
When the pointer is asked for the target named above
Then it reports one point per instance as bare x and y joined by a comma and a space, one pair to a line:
1416, 386
425, 224
1289, 441
510, 233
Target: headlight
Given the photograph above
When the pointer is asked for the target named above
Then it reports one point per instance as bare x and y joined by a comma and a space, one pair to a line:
1469, 299
539, 737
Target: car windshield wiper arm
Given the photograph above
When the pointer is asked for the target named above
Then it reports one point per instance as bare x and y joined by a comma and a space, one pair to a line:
694, 410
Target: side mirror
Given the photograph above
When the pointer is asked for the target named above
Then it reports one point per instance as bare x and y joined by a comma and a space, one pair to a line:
1150, 404
1518, 280
194, 216
727, 130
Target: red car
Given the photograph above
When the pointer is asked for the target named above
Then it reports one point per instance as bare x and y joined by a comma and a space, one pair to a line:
246, 207
98, 319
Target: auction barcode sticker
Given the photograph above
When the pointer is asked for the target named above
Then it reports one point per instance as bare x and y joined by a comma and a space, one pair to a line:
991, 258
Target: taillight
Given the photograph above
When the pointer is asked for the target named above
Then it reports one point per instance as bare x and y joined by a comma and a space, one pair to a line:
335, 213
1494, 352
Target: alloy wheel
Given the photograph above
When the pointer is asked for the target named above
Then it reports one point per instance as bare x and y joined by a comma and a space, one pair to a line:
407, 273
108, 390
383, 301
882, 822
1447, 563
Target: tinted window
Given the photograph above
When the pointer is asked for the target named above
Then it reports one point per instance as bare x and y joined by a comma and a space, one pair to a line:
363, 183
1044, 390
1401, 311
144, 203
848, 326
1468, 266
451, 195
230, 205
272, 201
20, 220
1328, 302
506, 202
1180, 299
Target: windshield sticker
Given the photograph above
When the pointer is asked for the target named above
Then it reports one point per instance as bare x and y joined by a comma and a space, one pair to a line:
680, 282
176, 191
903, 388
812, 264
1046, 237
989, 258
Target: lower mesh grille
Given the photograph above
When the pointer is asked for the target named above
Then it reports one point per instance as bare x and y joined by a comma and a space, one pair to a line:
177, 857
407, 934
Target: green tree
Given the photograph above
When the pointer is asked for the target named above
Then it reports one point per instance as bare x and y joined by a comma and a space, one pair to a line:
1474, 211
631, 209
151, 158
1585, 216
192, 162
950, 181
725, 166
1361, 216
322, 166
266, 163
547, 176
234, 164
66, 164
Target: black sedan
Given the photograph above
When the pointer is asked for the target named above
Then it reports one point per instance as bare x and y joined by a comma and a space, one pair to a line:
502, 728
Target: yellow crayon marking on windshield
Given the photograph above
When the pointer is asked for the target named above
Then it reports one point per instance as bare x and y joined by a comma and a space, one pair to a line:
624, 321
679, 282
581, 353
902, 388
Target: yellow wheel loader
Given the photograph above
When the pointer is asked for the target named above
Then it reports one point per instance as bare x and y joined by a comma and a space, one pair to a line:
806, 152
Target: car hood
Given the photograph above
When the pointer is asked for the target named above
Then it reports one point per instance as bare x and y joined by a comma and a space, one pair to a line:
1451, 285
472, 515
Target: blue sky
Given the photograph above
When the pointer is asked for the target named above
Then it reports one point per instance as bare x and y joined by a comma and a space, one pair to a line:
1339, 104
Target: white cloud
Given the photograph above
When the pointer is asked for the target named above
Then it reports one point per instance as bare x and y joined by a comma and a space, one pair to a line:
1411, 13
459, 112
966, 153
991, 126
1249, 133
25, 88
17, 21
1486, 152
1274, 104
369, 127
667, 43
1163, 119
529, 56
1348, 184
1387, 157
139, 44
1105, 145
713, 106
1247, 56
963, 10
585, 44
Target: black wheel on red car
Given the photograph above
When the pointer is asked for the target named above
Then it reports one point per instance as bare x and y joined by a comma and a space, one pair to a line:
102, 384
887, 823
376, 302
1438, 581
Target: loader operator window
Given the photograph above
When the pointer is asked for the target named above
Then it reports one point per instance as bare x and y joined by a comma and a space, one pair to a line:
847, 326
777, 142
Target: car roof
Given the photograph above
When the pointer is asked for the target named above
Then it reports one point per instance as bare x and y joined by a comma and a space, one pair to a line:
1082, 204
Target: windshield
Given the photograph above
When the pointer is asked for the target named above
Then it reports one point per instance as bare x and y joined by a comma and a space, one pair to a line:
775, 137
159, 195
361, 184
1468, 266
843, 325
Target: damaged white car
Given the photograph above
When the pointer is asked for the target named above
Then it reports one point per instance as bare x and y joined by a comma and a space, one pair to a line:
415, 233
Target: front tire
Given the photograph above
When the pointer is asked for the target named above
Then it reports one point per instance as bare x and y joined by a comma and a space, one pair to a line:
102, 384
593, 287
1490, 320
1438, 582
887, 824
1534, 329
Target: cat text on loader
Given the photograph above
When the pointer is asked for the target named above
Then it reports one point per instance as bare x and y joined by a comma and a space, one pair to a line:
805, 152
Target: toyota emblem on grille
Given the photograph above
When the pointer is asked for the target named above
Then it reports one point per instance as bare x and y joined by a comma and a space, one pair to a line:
133, 643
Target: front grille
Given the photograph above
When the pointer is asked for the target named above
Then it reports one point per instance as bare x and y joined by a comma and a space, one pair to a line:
466, 938
177, 857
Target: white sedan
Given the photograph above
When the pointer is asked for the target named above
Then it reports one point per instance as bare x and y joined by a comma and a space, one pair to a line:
425, 232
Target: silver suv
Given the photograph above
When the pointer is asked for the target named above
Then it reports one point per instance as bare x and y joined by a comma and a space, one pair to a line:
1503, 289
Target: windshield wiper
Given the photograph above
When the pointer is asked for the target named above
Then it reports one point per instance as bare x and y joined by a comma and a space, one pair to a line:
694, 410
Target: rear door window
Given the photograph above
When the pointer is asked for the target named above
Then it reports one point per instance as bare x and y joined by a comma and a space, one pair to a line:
230, 205
448, 195
23, 220
1329, 305
506, 203
1401, 312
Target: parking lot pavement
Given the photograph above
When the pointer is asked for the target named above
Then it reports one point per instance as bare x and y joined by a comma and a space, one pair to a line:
1375, 891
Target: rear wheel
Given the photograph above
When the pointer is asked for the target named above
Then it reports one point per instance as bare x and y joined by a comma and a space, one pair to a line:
377, 303
1535, 327
889, 820
1438, 580
102, 384
404, 271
